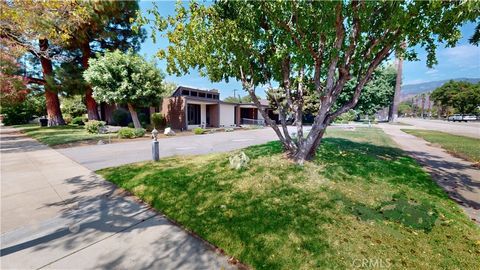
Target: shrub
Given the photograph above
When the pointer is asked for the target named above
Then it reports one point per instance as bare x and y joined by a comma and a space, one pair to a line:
346, 117
130, 125
120, 117
78, 121
143, 118
198, 130
94, 126
158, 120
129, 133
139, 132
67, 118
23, 112
73, 106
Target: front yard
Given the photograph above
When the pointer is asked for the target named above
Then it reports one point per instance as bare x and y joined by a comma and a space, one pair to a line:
61, 135
360, 201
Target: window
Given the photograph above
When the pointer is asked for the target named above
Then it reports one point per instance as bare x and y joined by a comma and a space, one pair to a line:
209, 95
193, 114
193, 93
201, 95
215, 96
185, 92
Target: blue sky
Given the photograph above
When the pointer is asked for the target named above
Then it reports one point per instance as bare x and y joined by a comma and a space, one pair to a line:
460, 61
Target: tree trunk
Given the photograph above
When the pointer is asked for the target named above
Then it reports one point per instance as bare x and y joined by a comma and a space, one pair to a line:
91, 103
54, 114
393, 113
134, 115
309, 149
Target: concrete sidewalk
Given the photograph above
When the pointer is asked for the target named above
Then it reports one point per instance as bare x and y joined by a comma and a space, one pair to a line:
58, 214
459, 178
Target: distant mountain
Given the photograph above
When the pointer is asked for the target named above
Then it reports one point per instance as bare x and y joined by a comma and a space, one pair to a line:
415, 89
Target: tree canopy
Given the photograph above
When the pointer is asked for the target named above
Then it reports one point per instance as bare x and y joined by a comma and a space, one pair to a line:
125, 78
309, 44
464, 97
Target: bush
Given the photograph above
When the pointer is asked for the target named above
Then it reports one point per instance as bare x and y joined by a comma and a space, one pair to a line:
120, 117
94, 126
79, 120
139, 132
158, 120
23, 112
143, 119
67, 118
73, 106
129, 133
198, 130
346, 117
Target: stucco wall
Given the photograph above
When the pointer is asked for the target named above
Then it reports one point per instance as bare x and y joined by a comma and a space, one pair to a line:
227, 115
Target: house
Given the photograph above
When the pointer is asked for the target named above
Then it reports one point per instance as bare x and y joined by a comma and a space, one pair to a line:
189, 108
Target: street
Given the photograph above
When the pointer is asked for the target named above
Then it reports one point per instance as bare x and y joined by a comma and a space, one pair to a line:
469, 129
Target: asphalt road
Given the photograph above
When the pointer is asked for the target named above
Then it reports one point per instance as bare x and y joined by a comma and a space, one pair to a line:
97, 157
470, 129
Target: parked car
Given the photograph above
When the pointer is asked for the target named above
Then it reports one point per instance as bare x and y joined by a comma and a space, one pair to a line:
460, 117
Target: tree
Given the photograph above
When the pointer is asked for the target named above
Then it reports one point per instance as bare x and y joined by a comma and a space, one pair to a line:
464, 97
304, 46
104, 25
244, 99
118, 77
378, 93
13, 88
46, 21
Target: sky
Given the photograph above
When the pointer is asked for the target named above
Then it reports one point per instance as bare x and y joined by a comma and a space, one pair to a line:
462, 61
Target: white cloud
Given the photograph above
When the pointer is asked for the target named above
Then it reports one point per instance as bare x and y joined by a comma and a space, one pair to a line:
463, 55
431, 71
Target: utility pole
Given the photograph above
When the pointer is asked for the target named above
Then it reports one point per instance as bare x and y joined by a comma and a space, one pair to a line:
234, 95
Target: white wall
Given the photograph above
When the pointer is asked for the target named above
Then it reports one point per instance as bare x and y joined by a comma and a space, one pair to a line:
259, 115
227, 115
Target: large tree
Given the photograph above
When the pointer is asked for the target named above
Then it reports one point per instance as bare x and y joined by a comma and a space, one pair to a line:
104, 25
125, 78
464, 97
291, 43
29, 27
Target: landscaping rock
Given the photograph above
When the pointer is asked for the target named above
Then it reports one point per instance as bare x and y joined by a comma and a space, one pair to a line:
239, 161
112, 129
169, 132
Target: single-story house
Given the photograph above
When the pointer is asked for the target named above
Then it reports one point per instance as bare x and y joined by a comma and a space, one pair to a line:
189, 108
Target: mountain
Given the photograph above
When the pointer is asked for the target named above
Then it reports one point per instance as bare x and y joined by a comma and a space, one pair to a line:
415, 89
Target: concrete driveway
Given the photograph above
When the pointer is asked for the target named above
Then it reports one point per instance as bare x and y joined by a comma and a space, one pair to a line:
470, 129
57, 214
96, 157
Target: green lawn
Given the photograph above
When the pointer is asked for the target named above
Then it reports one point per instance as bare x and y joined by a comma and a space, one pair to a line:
59, 134
359, 199
460, 146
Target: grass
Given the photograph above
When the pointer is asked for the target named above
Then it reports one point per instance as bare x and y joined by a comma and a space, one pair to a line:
360, 199
464, 147
59, 134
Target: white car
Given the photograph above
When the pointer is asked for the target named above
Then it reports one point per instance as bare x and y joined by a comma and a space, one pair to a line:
460, 117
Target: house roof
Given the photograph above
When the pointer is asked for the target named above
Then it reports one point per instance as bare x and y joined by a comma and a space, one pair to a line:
178, 92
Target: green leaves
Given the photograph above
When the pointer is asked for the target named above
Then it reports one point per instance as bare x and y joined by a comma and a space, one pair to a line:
463, 96
125, 78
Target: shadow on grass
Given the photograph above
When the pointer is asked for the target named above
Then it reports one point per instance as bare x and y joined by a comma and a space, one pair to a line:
265, 216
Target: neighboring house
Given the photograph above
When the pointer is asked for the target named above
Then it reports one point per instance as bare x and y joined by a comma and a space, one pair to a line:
188, 108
